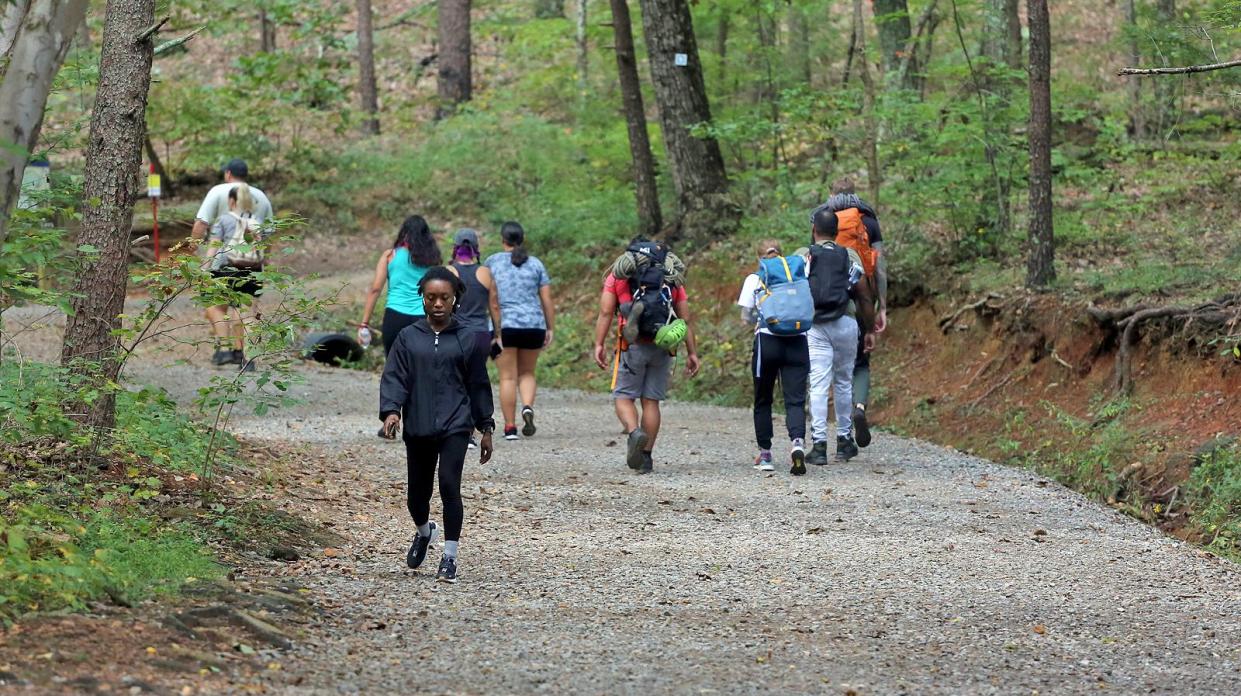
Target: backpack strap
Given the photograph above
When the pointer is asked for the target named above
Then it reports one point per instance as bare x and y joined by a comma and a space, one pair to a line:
787, 271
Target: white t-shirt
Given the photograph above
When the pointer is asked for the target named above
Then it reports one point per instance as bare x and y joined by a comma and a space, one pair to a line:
750, 290
215, 204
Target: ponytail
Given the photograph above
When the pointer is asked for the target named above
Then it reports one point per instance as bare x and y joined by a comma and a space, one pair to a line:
514, 236
245, 199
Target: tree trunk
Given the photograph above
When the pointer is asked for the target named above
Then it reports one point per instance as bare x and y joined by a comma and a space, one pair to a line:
1166, 89
583, 49
11, 16
1001, 42
799, 45
47, 29
871, 122
267, 33
1040, 269
895, 31
721, 47
647, 193
113, 158
454, 83
1137, 113
697, 165
367, 89
548, 9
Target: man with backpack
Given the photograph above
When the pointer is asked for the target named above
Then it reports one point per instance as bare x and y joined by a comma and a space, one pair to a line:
858, 229
777, 302
843, 310
646, 288
222, 209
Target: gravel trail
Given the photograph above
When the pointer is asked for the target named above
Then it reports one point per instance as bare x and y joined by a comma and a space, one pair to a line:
912, 569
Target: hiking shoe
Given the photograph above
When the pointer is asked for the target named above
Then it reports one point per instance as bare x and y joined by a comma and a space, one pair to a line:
447, 571
846, 449
222, 357
418, 549
648, 463
861, 428
763, 461
527, 415
633, 450
630, 332
799, 459
818, 454
510, 432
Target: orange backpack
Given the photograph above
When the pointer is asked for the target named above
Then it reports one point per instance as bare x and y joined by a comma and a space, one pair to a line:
851, 233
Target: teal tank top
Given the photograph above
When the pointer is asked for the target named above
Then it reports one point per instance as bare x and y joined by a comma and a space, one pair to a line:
403, 277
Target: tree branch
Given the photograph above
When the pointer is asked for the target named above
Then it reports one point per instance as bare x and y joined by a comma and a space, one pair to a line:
1180, 71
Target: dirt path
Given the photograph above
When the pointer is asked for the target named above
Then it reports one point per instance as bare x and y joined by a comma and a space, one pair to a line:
912, 569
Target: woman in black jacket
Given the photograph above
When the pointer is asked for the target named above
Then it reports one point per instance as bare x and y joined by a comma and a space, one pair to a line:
437, 381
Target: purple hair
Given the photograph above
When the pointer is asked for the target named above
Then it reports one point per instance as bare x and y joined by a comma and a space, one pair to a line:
464, 253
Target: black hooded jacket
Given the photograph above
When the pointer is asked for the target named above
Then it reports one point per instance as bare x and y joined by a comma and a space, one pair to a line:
437, 382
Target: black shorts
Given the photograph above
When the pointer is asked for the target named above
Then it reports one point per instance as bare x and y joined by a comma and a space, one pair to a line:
523, 339
393, 322
240, 280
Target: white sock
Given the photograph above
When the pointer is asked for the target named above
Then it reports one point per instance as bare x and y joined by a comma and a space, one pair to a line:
450, 549
424, 530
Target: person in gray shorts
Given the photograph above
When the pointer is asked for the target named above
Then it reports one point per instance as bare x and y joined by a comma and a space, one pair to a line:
640, 371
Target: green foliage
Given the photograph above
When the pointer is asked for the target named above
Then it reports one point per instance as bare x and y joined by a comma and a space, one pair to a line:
1214, 491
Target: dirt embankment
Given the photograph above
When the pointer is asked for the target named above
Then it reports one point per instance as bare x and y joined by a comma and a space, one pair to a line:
1031, 379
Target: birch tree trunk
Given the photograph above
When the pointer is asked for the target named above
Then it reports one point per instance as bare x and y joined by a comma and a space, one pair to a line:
113, 160
42, 40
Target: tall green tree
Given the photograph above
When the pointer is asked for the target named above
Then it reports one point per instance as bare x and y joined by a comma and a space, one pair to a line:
1040, 266
368, 90
454, 84
646, 191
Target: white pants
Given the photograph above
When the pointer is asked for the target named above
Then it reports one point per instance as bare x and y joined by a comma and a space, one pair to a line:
833, 351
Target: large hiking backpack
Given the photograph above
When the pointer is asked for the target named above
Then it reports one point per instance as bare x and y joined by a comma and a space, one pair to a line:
240, 252
851, 232
831, 281
784, 304
649, 287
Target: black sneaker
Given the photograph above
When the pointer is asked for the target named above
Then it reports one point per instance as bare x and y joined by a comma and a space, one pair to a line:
818, 454
473, 444
861, 428
239, 358
846, 449
799, 459
418, 549
633, 454
527, 415
648, 463
222, 357
510, 432
448, 570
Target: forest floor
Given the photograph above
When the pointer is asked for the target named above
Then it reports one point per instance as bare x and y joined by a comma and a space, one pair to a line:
911, 569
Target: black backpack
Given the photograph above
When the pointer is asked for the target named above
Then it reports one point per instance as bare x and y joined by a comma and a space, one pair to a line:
830, 281
649, 286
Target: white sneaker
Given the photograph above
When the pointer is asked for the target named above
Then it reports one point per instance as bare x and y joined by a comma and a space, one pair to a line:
763, 463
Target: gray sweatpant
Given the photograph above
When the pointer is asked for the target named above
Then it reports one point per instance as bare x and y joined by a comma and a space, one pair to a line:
833, 350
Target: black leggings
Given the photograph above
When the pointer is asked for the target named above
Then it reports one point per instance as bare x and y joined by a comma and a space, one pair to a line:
421, 454
393, 322
788, 358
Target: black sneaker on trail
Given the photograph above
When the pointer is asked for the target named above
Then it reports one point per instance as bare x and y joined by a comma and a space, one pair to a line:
633, 450
527, 415
448, 570
798, 456
818, 454
418, 549
222, 357
510, 432
473, 444
861, 428
845, 448
648, 463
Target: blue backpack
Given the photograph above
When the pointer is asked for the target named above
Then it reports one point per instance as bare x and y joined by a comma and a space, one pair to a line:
784, 304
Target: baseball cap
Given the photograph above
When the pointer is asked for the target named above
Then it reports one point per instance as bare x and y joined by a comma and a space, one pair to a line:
466, 237
237, 167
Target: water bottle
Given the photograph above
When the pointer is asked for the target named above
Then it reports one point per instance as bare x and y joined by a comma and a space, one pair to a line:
364, 336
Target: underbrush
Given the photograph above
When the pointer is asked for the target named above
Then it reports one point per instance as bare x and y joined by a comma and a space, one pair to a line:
1214, 494
141, 517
